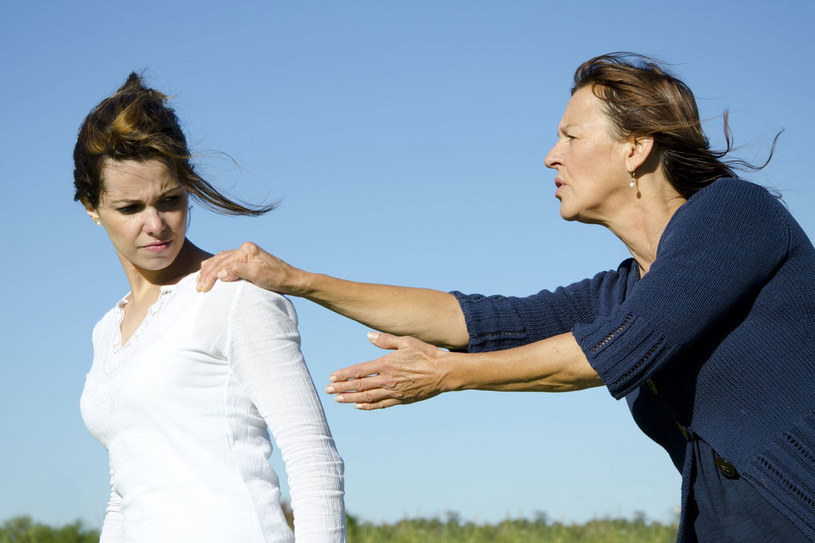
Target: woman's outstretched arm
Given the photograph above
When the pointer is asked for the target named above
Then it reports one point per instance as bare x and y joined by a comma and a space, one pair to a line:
432, 316
416, 371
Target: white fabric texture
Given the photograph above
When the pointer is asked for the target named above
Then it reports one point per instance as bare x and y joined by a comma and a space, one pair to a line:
183, 410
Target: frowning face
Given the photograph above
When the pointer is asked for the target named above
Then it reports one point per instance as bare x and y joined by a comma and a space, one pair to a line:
144, 211
592, 181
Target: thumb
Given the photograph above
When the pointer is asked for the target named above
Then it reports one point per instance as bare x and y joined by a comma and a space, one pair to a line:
383, 341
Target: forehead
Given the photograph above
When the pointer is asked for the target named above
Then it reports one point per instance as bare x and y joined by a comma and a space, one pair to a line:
584, 109
136, 179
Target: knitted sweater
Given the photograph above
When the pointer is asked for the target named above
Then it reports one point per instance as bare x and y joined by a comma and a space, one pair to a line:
721, 326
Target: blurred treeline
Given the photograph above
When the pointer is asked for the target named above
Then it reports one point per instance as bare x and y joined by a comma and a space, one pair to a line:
449, 530
453, 530
25, 530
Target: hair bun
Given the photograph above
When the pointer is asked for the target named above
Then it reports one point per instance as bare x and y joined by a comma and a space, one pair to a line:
133, 83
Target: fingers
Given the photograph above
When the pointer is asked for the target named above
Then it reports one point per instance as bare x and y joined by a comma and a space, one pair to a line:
374, 398
367, 396
340, 379
376, 405
233, 270
388, 341
365, 388
210, 269
406, 375
226, 265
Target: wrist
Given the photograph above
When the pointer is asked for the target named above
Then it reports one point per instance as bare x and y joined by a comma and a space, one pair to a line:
454, 376
301, 283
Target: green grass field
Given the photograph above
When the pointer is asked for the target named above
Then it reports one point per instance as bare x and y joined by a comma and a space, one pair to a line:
451, 530
511, 531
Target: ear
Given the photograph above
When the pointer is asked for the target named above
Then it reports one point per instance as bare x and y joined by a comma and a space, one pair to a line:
91, 212
638, 150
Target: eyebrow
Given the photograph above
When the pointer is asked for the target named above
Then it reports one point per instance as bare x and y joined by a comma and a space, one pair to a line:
169, 192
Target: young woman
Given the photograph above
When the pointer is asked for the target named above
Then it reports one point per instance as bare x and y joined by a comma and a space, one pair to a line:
183, 385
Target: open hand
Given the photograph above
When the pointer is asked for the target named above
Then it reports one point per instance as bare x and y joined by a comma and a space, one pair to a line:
414, 371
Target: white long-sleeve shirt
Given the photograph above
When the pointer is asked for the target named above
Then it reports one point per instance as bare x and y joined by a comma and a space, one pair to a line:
183, 409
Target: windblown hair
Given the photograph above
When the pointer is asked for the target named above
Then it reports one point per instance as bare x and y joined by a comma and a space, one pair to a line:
642, 99
136, 123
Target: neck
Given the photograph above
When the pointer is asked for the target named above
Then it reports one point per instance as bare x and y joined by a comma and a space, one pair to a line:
642, 221
145, 284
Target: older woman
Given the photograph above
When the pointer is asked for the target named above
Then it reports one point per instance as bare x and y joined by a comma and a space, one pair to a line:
182, 386
707, 331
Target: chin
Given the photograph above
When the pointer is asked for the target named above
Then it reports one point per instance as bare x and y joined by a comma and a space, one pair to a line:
156, 264
153, 266
566, 214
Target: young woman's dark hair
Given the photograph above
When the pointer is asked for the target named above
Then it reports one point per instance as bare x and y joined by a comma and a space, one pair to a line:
642, 99
136, 123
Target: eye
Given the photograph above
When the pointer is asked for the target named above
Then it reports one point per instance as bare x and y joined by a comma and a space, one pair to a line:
129, 209
171, 202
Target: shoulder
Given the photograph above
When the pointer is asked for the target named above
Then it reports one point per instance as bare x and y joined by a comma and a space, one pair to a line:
243, 297
733, 195
733, 185
729, 204
729, 216
109, 321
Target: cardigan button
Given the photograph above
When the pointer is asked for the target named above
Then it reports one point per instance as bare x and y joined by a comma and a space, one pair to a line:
726, 468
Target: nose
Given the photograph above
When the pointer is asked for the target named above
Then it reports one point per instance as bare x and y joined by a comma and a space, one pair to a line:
153, 221
552, 159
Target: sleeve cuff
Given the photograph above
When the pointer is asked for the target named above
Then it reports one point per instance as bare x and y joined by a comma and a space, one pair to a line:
623, 350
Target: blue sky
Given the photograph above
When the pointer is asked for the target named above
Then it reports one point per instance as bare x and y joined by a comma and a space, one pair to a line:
405, 141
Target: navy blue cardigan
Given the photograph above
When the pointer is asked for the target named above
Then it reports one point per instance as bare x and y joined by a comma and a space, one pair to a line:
722, 325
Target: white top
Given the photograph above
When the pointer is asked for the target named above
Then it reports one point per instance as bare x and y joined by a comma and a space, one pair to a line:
183, 410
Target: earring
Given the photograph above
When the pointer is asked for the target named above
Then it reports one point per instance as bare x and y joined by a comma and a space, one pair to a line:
98, 223
633, 182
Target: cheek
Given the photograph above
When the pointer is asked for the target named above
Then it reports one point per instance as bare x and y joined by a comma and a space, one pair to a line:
120, 233
181, 221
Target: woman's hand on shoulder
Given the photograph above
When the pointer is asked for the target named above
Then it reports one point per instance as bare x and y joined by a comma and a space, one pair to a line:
412, 372
251, 263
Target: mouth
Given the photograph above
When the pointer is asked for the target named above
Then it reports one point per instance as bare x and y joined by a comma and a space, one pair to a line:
559, 184
157, 246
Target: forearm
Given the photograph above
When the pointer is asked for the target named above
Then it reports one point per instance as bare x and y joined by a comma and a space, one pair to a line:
556, 364
416, 371
315, 474
430, 315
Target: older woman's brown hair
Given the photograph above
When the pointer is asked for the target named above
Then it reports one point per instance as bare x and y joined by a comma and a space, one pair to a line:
136, 123
642, 99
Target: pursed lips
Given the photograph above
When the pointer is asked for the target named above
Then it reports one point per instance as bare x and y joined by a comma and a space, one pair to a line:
559, 184
157, 246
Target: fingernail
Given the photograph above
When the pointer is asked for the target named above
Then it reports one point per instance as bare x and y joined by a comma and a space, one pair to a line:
338, 399
358, 406
329, 389
221, 274
372, 336
333, 378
